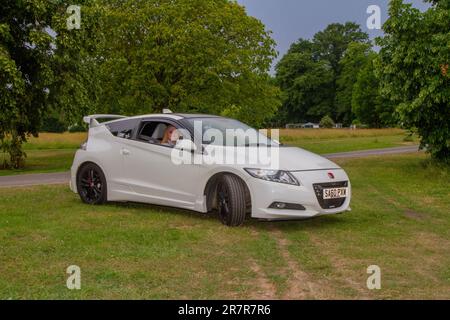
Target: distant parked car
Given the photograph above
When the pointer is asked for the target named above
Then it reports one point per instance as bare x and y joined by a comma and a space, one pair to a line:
131, 159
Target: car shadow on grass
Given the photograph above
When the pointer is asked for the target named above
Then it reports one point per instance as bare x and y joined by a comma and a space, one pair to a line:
322, 222
163, 209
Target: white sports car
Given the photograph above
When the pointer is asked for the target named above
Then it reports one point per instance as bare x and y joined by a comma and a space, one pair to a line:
183, 161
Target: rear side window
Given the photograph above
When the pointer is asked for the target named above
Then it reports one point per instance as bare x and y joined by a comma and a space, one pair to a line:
123, 128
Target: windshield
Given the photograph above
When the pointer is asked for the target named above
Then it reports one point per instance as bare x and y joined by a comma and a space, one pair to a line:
228, 132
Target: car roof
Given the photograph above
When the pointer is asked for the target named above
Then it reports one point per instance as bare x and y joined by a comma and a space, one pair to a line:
173, 116
194, 115
178, 115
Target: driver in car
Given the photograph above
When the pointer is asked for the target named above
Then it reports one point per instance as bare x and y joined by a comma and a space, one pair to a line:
171, 136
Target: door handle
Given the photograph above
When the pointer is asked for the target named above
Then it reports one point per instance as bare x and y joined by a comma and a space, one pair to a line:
125, 152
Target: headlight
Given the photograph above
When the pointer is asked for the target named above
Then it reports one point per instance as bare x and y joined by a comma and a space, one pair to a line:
279, 176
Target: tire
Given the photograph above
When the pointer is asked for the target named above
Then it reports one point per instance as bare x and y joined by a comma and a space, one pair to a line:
231, 200
91, 184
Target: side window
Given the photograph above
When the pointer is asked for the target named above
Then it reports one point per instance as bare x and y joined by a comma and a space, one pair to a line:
147, 132
159, 132
123, 128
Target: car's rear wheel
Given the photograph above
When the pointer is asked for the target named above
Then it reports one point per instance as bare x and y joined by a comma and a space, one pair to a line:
231, 200
91, 184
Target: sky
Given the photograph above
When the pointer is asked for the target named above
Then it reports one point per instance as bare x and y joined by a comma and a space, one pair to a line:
290, 20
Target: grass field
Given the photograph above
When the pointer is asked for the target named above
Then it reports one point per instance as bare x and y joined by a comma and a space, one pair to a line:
341, 140
51, 152
54, 152
400, 221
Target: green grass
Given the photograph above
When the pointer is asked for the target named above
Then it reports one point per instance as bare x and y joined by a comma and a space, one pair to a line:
400, 221
54, 152
324, 141
325, 146
44, 161
53, 141
50, 152
124, 251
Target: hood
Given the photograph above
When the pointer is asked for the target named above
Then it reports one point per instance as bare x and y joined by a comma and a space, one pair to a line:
290, 158
297, 159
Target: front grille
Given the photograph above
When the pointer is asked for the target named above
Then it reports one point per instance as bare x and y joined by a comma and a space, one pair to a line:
329, 203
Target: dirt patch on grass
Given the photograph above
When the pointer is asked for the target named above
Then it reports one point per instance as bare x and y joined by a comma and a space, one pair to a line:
415, 215
407, 212
266, 289
300, 285
340, 264
427, 259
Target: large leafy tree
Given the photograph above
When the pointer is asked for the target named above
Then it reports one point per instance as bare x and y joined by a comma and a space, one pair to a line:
305, 84
186, 55
309, 72
130, 57
369, 106
39, 59
330, 44
355, 57
413, 67
25, 71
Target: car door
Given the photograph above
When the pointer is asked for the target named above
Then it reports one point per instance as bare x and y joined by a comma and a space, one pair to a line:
154, 177
111, 159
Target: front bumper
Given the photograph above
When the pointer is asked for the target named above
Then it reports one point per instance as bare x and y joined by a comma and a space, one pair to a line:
264, 193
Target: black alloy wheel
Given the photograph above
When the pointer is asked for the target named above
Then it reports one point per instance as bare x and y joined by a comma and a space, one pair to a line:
231, 200
91, 184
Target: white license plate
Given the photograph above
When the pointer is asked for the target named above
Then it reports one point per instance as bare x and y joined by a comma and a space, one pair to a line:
335, 193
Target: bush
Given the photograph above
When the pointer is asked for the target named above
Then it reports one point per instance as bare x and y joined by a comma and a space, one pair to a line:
52, 124
408, 138
327, 122
12, 145
77, 128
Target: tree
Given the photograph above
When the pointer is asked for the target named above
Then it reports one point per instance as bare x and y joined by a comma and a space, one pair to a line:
369, 106
24, 72
413, 56
186, 55
331, 43
304, 83
355, 57
327, 122
130, 57
37, 57
308, 73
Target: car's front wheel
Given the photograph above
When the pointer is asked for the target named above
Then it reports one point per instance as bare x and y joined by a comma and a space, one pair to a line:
91, 184
231, 200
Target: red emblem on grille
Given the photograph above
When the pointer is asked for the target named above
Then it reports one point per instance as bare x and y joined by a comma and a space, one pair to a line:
331, 175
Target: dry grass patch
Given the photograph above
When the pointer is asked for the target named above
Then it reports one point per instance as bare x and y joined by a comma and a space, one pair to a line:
339, 133
64, 140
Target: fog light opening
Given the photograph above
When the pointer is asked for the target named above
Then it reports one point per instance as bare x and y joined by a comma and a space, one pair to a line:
286, 206
280, 205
